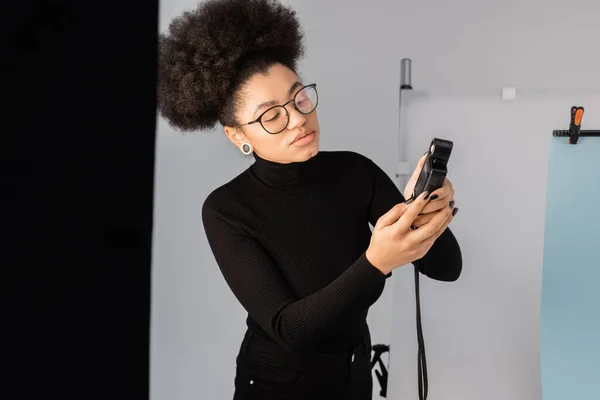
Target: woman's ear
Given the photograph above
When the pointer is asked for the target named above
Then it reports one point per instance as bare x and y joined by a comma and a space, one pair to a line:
236, 135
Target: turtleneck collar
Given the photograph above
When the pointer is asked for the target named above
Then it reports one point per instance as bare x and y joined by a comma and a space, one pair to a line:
275, 174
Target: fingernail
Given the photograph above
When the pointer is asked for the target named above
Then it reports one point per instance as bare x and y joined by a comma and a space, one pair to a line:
455, 211
435, 196
410, 200
426, 195
451, 204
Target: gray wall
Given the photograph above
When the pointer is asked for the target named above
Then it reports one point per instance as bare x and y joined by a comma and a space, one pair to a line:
482, 333
461, 48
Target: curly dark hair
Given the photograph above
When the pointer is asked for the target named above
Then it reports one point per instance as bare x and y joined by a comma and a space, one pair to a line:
209, 53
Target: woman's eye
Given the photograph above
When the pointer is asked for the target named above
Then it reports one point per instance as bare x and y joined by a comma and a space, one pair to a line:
272, 117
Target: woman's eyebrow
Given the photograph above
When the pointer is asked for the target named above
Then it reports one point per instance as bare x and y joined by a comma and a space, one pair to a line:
293, 88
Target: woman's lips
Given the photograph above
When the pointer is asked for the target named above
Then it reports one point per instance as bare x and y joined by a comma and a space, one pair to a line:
304, 140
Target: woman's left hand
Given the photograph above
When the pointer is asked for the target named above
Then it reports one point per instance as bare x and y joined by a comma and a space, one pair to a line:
438, 200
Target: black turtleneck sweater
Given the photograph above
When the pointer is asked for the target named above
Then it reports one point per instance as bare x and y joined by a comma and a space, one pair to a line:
290, 241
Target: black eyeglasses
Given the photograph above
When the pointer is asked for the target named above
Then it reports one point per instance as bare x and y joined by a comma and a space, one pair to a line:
276, 119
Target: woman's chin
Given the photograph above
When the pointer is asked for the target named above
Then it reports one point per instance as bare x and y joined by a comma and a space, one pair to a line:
308, 152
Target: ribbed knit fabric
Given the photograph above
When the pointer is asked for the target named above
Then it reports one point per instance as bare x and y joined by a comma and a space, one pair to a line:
290, 241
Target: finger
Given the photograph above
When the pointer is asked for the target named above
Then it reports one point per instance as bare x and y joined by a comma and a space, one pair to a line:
421, 161
445, 191
435, 205
430, 229
419, 167
391, 216
427, 243
411, 212
438, 204
439, 232
441, 194
430, 210
453, 212
424, 218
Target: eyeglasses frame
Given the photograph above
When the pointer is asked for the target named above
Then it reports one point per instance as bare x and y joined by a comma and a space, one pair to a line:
259, 119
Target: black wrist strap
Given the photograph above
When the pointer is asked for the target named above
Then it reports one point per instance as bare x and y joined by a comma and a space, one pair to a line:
422, 362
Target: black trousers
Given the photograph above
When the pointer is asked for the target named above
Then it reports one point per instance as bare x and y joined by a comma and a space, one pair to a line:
262, 373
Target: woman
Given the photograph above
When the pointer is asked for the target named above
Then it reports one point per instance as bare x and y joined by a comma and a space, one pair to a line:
291, 233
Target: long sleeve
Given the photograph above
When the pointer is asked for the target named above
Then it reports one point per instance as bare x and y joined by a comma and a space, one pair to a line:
444, 260
261, 289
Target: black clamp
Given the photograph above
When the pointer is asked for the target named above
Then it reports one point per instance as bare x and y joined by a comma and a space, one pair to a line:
382, 376
575, 125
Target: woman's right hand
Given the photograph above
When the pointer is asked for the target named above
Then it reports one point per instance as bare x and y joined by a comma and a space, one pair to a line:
394, 243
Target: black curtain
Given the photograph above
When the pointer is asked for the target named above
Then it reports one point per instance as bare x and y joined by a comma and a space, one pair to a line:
77, 140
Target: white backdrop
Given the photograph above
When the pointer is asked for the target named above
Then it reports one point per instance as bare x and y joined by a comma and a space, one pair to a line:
354, 51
